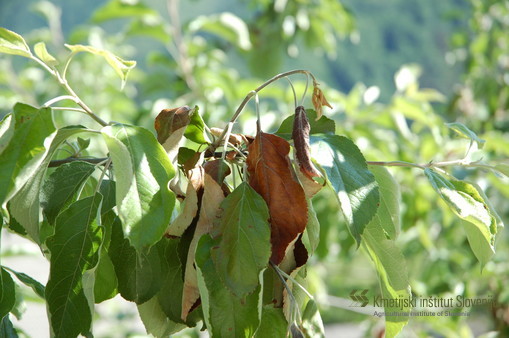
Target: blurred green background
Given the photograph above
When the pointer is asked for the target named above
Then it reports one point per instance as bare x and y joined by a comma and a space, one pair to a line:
395, 71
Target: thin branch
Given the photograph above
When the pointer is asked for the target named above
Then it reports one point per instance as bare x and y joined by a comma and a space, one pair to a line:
57, 163
253, 93
69, 108
395, 164
58, 99
63, 82
436, 165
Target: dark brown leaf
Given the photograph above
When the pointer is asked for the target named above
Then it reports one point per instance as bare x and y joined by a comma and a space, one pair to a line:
271, 175
170, 120
170, 126
300, 136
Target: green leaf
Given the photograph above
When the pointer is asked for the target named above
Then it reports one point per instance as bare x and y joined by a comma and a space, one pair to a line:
389, 200
138, 272
464, 132
24, 206
195, 130
105, 286
121, 67
83, 143
13, 43
324, 125
225, 25
312, 324
33, 134
273, 323
170, 296
468, 204
29, 281
62, 185
6, 131
244, 244
225, 314
6, 328
74, 250
7, 293
348, 174
142, 171
155, 320
311, 235
117, 9
108, 190
43, 54
392, 273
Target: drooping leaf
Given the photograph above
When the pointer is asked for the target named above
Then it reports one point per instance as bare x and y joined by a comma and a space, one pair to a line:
244, 246
389, 200
142, 171
273, 323
43, 54
270, 175
170, 295
312, 324
311, 235
392, 273
138, 271
468, 204
155, 320
465, 132
189, 207
195, 131
105, 286
170, 126
323, 125
300, 136
291, 307
38, 288
310, 186
74, 250
13, 43
211, 201
319, 100
227, 26
7, 292
24, 206
348, 174
7, 329
33, 133
61, 185
225, 314
108, 190
121, 67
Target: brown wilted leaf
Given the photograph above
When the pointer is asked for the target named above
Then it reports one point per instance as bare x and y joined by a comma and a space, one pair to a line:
190, 204
235, 139
271, 175
211, 200
319, 100
310, 186
170, 126
300, 136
